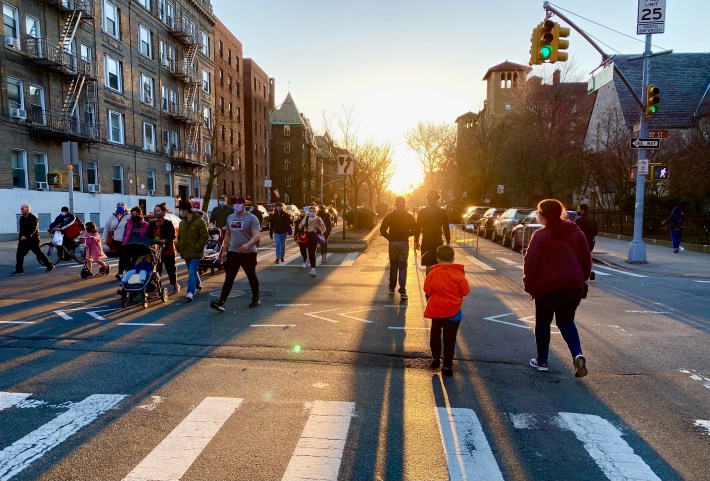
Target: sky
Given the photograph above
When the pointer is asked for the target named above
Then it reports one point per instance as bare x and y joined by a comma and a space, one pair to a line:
397, 62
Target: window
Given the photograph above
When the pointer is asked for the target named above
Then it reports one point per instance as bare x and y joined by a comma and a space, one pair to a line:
166, 141
118, 179
236, 61
169, 13
163, 51
92, 173
173, 101
239, 88
287, 164
145, 41
206, 81
205, 41
86, 53
32, 27
168, 185
37, 104
114, 127
287, 147
113, 73
19, 168
146, 4
239, 114
40, 167
10, 21
219, 47
229, 83
147, 84
150, 180
15, 93
196, 184
164, 98
288, 181
287, 130
90, 115
508, 107
229, 56
207, 114
171, 52
161, 10
231, 136
111, 21
174, 138
148, 137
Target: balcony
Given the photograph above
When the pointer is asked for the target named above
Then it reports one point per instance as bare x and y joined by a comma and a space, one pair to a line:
62, 126
84, 6
183, 71
184, 114
183, 30
189, 157
52, 56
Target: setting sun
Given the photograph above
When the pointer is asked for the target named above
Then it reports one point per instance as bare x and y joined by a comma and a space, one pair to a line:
408, 174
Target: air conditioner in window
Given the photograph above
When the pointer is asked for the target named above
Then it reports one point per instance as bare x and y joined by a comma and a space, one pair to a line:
151, 193
20, 114
41, 186
165, 63
94, 188
11, 42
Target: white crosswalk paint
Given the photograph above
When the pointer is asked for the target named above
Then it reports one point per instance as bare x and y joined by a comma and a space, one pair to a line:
289, 259
9, 399
468, 453
601, 273
606, 446
23, 452
175, 454
320, 448
480, 264
17, 322
349, 259
319, 259
619, 271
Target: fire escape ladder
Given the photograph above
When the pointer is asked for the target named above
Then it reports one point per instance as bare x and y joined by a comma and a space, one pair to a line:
72, 99
71, 23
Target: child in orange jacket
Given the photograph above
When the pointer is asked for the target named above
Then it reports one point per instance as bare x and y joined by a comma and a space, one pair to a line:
446, 286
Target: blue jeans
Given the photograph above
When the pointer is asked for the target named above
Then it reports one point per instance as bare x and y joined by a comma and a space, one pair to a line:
193, 280
280, 240
399, 252
675, 238
562, 305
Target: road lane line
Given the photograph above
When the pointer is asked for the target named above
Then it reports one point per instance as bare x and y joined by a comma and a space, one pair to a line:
467, 451
17, 322
409, 328
507, 261
139, 324
320, 448
480, 264
63, 315
291, 305
319, 259
703, 282
314, 314
495, 319
349, 259
618, 271
605, 445
601, 273
23, 452
9, 399
175, 454
71, 302
288, 259
273, 325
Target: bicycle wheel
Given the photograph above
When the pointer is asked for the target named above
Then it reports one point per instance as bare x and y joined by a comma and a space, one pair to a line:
80, 254
54, 253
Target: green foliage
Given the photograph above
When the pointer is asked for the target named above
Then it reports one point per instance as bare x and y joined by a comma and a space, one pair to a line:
361, 218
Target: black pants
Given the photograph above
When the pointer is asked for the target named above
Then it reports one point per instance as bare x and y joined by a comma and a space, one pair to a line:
310, 248
234, 261
450, 329
562, 305
121, 260
169, 261
25, 246
129, 254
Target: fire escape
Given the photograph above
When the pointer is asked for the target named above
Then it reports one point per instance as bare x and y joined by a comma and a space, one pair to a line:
189, 153
79, 77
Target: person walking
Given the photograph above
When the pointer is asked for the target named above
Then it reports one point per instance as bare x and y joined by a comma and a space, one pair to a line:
312, 225
29, 240
135, 232
432, 222
279, 227
113, 233
94, 251
196, 210
239, 251
192, 238
327, 222
219, 214
555, 268
588, 227
66, 223
397, 227
163, 232
446, 286
675, 220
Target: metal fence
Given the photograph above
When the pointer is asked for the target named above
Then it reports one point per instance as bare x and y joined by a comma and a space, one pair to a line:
464, 236
696, 226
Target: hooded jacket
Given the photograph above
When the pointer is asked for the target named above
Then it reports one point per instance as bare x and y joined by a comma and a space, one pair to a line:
446, 285
556, 263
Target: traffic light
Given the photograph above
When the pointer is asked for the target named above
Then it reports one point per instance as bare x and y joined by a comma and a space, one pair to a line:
653, 98
535, 47
660, 172
546, 38
559, 43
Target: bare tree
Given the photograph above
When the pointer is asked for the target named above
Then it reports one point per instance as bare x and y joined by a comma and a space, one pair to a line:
433, 145
380, 169
225, 148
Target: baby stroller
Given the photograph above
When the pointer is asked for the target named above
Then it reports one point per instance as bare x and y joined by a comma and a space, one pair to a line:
142, 278
210, 257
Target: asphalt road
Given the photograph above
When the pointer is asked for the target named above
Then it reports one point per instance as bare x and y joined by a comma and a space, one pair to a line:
329, 379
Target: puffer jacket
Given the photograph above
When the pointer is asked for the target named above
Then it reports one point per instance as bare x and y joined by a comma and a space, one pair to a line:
192, 237
446, 285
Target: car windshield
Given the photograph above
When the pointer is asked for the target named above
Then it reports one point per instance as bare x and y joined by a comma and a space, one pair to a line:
521, 214
531, 218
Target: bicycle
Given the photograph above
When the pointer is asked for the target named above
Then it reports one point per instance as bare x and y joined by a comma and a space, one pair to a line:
57, 253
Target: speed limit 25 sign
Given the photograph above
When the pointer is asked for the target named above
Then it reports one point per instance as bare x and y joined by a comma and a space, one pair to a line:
651, 17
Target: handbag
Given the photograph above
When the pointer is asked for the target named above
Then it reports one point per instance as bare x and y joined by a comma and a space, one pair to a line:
57, 238
110, 241
290, 230
302, 237
320, 239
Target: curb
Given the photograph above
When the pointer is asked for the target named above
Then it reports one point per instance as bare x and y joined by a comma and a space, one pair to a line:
356, 245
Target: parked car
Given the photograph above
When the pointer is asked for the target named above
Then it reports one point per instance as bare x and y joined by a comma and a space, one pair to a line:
265, 219
485, 223
473, 215
293, 211
503, 226
522, 232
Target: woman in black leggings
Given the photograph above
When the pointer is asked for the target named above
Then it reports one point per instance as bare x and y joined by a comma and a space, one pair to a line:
325, 217
312, 225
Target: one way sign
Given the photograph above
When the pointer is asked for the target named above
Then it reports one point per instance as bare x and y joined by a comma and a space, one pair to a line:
637, 143
346, 164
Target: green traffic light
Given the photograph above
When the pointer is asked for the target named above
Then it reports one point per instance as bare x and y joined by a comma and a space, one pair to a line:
654, 109
546, 51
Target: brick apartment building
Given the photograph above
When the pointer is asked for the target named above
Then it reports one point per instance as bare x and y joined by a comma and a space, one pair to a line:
131, 81
258, 104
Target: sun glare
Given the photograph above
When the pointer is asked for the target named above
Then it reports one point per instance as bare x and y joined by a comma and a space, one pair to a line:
407, 176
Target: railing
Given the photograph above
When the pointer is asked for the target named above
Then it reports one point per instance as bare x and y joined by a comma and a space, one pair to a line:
188, 156
464, 236
184, 114
696, 226
63, 125
182, 70
86, 6
52, 55
182, 29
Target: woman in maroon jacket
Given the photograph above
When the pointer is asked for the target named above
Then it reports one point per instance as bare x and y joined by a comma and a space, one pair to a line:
557, 264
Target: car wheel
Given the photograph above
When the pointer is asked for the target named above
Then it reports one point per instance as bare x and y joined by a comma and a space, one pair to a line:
494, 236
514, 243
506, 239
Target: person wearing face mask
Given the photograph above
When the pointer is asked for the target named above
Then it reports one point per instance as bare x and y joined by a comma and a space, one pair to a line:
239, 251
113, 235
163, 232
192, 238
279, 227
219, 214
196, 210
312, 225
66, 223
135, 233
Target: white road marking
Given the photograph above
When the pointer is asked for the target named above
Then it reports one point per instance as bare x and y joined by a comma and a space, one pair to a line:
619, 271
507, 261
480, 264
270, 254
17, 322
523, 421
319, 259
349, 259
527, 319
291, 305
9, 399
95, 316
600, 273
23, 452
606, 446
320, 448
152, 405
71, 302
288, 260
274, 325
523, 319
646, 312
467, 451
175, 454
409, 328
703, 282
345, 314
139, 324
703, 424
315, 315
63, 315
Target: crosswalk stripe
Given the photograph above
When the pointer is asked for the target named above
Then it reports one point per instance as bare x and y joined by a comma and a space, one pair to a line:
480, 264
20, 454
604, 443
507, 261
175, 454
319, 259
468, 453
288, 259
350, 259
9, 399
619, 271
320, 448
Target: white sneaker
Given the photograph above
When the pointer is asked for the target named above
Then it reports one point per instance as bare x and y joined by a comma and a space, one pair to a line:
188, 297
304, 266
312, 273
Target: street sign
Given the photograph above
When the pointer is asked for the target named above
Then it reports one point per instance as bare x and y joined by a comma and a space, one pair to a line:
657, 134
651, 17
346, 164
601, 78
637, 143
660, 172
642, 167
267, 182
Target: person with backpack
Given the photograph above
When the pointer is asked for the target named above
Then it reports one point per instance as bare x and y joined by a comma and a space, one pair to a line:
555, 268
113, 235
192, 238
328, 223
675, 221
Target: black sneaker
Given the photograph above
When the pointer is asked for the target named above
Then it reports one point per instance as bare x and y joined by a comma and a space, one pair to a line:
218, 304
447, 371
435, 363
255, 302
403, 296
198, 288
391, 290
592, 276
580, 366
17, 273
118, 277
540, 366
50, 267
